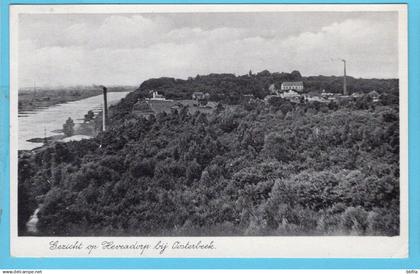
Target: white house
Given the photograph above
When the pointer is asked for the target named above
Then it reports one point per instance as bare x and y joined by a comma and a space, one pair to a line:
198, 95
289, 94
374, 95
325, 94
357, 94
297, 86
157, 96
314, 96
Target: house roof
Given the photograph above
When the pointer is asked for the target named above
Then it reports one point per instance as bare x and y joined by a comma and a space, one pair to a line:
299, 83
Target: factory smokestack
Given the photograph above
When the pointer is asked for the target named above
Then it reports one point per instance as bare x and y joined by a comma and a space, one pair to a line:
344, 79
105, 110
344, 75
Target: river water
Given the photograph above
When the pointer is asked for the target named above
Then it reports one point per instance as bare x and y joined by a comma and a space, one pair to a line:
42, 122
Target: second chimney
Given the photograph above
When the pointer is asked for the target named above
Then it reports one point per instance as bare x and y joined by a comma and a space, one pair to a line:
105, 110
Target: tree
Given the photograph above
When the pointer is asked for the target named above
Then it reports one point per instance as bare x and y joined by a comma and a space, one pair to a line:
219, 108
89, 116
295, 75
68, 127
202, 102
193, 171
275, 146
279, 103
264, 73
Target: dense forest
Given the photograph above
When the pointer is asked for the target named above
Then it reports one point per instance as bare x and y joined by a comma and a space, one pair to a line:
250, 168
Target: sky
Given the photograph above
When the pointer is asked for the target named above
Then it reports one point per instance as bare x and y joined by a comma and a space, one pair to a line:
126, 49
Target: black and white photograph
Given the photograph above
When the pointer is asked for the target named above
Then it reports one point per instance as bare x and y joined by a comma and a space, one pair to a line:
210, 122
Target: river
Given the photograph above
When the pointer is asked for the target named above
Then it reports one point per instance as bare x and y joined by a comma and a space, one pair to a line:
42, 122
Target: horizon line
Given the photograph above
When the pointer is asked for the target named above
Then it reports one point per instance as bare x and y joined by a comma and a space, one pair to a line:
114, 85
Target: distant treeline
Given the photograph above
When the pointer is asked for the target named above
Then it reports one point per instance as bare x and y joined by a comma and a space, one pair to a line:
228, 88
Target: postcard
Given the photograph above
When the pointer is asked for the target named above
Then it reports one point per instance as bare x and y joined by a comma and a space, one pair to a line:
211, 131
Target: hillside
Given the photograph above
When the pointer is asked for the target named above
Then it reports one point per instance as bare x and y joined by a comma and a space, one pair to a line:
250, 169
228, 88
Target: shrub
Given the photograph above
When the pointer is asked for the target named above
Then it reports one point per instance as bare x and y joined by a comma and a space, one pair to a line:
193, 171
383, 222
142, 168
354, 220
275, 146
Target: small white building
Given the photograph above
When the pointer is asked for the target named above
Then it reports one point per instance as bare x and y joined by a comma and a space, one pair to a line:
357, 94
289, 94
157, 96
198, 95
325, 94
374, 95
315, 97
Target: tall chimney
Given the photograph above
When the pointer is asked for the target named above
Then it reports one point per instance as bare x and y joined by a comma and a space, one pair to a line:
105, 110
344, 79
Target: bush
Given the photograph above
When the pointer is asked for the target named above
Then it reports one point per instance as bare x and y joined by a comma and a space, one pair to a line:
383, 222
354, 220
68, 127
228, 122
142, 168
275, 146
193, 171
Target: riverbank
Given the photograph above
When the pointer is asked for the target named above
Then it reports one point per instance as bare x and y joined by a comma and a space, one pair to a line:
41, 98
81, 131
48, 122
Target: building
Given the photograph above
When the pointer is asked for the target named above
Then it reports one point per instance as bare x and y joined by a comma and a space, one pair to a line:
157, 96
315, 96
326, 95
198, 95
374, 95
357, 94
296, 86
289, 94
201, 98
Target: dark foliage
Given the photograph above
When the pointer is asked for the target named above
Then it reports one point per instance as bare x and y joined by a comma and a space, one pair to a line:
228, 88
253, 169
68, 127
